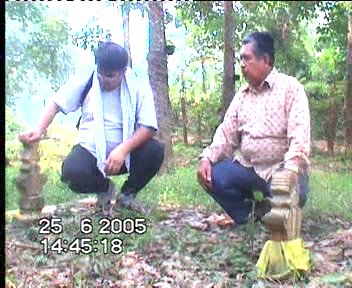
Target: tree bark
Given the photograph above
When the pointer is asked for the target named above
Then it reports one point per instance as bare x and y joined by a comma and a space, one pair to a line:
158, 76
204, 89
184, 113
331, 125
348, 94
229, 52
125, 9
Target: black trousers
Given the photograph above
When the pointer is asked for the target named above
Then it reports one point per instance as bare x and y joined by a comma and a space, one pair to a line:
80, 171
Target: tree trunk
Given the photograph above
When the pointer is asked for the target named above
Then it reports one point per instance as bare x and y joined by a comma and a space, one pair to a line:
331, 125
229, 52
184, 113
126, 30
158, 76
348, 94
204, 89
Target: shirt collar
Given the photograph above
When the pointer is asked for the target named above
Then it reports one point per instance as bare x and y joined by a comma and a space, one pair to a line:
269, 80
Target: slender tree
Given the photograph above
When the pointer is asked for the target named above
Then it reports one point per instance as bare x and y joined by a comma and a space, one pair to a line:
331, 124
158, 76
348, 93
125, 10
229, 52
184, 110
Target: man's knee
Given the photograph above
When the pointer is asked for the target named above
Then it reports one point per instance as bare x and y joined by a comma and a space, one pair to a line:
71, 174
158, 151
218, 177
154, 152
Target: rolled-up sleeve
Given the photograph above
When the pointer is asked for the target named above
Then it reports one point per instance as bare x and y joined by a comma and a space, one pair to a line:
145, 114
68, 97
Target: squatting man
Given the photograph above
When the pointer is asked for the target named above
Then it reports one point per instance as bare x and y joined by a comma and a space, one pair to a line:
115, 133
268, 124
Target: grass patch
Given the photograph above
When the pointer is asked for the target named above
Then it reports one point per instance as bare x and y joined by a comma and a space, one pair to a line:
180, 189
330, 186
330, 194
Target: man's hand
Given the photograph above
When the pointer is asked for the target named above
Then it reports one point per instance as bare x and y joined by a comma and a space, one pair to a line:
116, 159
37, 134
31, 136
204, 173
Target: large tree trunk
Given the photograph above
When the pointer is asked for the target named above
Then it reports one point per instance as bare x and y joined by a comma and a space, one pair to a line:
348, 95
158, 76
125, 9
229, 52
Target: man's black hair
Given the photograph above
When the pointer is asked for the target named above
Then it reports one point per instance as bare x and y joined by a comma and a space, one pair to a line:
263, 44
110, 57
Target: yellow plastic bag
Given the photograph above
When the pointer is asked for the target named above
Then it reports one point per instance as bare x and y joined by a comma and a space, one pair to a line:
282, 259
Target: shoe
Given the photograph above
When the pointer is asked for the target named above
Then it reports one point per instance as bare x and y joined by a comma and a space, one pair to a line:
130, 202
104, 199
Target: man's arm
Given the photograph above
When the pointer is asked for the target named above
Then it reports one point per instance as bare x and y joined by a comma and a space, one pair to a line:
225, 141
37, 133
66, 99
140, 137
298, 129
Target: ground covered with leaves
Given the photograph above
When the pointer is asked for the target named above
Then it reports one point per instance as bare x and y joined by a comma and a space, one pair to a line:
180, 248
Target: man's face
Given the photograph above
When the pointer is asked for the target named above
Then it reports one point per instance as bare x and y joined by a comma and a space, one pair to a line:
111, 80
254, 68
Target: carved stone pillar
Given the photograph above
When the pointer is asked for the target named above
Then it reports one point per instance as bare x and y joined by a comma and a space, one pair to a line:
285, 217
30, 182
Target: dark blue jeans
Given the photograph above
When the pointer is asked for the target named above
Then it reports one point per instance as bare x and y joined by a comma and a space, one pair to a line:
80, 171
233, 186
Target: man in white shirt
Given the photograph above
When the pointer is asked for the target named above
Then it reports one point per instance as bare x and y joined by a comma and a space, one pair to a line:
116, 130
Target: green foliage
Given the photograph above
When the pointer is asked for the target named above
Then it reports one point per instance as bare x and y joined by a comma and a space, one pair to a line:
333, 31
35, 47
288, 30
24, 11
307, 46
204, 22
258, 196
12, 128
200, 85
51, 36
12, 125
91, 35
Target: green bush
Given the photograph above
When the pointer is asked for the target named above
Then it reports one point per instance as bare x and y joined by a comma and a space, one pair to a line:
12, 128
12, 124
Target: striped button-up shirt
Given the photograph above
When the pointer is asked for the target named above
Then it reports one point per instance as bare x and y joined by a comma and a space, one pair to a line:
267, 127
